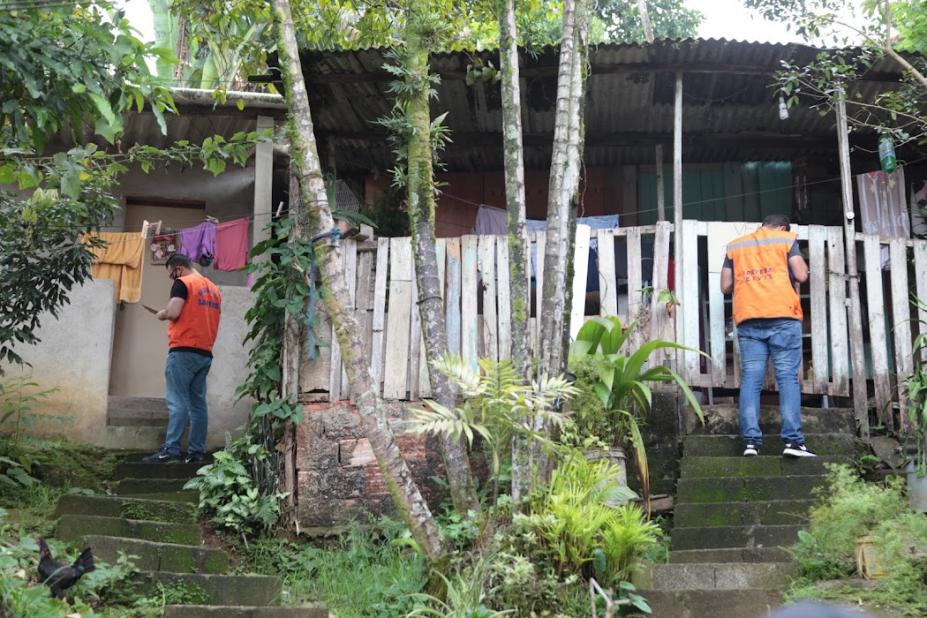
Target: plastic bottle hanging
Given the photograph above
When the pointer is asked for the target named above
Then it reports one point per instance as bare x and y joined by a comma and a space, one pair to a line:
887, 154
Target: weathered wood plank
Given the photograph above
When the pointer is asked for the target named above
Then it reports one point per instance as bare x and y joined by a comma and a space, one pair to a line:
901, 316
540, 244
489, 323
379, 313
661, 323
469, 332
452, 296
635, 284
580, 275
505, 298
608, 279
920, 270
817, 237
363, 303
398, 319
877, 335
690, 298
839, 343
415, 343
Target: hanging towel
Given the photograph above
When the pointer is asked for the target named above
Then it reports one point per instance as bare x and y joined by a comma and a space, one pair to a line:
490, 221
232, 244
199, 241
121, 261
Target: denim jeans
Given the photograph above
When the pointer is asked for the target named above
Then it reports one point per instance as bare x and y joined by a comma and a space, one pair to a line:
760, 339
185, 374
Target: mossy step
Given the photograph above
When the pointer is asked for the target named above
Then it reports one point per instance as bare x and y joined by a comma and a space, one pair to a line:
229, 611
130, 486
207, 589
712, 603
72, 528
170, 496
769, 513
138, 470
733, 537
153, 556
715, 576
730, 445
748, 489
721, 419
713, 467
730, 554
129, 508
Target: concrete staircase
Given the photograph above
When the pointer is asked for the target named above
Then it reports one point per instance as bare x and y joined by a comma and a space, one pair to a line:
734, 515
151, 518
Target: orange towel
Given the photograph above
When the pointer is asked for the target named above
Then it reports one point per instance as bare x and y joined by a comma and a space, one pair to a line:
121, 261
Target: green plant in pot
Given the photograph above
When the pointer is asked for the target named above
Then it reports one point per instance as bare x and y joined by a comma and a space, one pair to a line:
621, 382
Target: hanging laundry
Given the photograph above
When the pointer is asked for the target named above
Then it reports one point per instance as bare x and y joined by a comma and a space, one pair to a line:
199, 242
121, 261
490, 221
883, 206
232, 244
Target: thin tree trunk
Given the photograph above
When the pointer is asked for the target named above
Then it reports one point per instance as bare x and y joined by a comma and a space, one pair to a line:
420, 180
305, 160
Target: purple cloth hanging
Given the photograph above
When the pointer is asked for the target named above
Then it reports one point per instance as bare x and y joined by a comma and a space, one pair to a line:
198, 241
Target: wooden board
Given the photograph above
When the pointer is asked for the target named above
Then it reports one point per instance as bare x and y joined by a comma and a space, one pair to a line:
504, 298
540, 245
378, 320
398, 320
580, 275
608, 278
820, 364
635, 284
901, 318
452, 296
363, 304
469, 320
920, 270
877, 336
416, 347
837, 289
661, 324
690, 299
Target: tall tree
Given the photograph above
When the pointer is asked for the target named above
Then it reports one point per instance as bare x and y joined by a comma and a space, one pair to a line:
305, 160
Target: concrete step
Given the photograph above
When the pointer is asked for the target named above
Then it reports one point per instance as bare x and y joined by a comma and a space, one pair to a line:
129, 486
733, 537
730, 554
713, 467
721, 419
129, 508
769, 513
715, 576
243, 590
152, 556
229, 611
138, 470
748, 489
712, 603
730, 445
136, 412
170, 496
73, 528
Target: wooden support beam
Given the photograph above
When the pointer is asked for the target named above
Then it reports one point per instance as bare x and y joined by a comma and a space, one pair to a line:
677, 208
661, 198
263, 183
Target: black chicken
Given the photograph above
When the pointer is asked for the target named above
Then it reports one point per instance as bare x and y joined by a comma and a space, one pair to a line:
59, 576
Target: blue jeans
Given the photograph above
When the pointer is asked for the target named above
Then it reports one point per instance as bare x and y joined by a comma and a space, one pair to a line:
779, 338
185, 374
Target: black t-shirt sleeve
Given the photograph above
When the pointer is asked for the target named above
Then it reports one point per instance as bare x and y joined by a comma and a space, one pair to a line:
794, 251
728, 263
179, 289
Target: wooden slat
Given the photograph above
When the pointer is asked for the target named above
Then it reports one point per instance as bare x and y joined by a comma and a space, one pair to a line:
379, 314
690, 297
877, 335
635, 278
505, 298
540, 245
660, 320
901, 316
469, 320
489, 323
334, 382
580, 275
817, 236
415, 342
452, 296
363, 302
839, 343
608, 279
398, 319
920, 270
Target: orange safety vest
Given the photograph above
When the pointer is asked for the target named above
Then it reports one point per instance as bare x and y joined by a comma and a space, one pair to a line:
198, 323
762, 286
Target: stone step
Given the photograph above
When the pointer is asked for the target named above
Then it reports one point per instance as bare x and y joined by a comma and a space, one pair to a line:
730, 554
129, 486
139, 470
730, 445
73, 528
136, 412
721, 419
170, 496
129, 508
715, 576
244, 590
768, 513
733, 537
152, 556
712, 603
748, 489
229, 611
713, 467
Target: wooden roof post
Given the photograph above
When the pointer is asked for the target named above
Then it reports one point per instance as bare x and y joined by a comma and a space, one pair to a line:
263, 183
677, 211
661, 208
857, 351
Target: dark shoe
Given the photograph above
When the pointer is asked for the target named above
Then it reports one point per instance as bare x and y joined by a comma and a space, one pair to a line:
162, 456
797, 450
751, 449
194, 458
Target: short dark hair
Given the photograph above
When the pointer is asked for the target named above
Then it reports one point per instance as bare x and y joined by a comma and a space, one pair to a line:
178, 259
777, 221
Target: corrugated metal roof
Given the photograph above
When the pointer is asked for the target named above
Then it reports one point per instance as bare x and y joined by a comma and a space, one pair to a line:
730, 104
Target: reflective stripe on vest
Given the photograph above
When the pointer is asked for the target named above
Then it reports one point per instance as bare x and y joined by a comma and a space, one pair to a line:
198, 323
762, 285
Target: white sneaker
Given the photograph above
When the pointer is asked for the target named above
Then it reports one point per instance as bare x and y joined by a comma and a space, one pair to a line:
751, 450
797, 450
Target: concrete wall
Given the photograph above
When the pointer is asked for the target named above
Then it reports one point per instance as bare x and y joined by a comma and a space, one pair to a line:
74, 358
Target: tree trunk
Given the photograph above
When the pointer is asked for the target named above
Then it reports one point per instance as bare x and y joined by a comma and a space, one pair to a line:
305, 160
420, 180
517, 239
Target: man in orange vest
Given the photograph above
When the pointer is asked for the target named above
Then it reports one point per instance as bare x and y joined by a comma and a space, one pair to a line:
192, 314
764, 270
